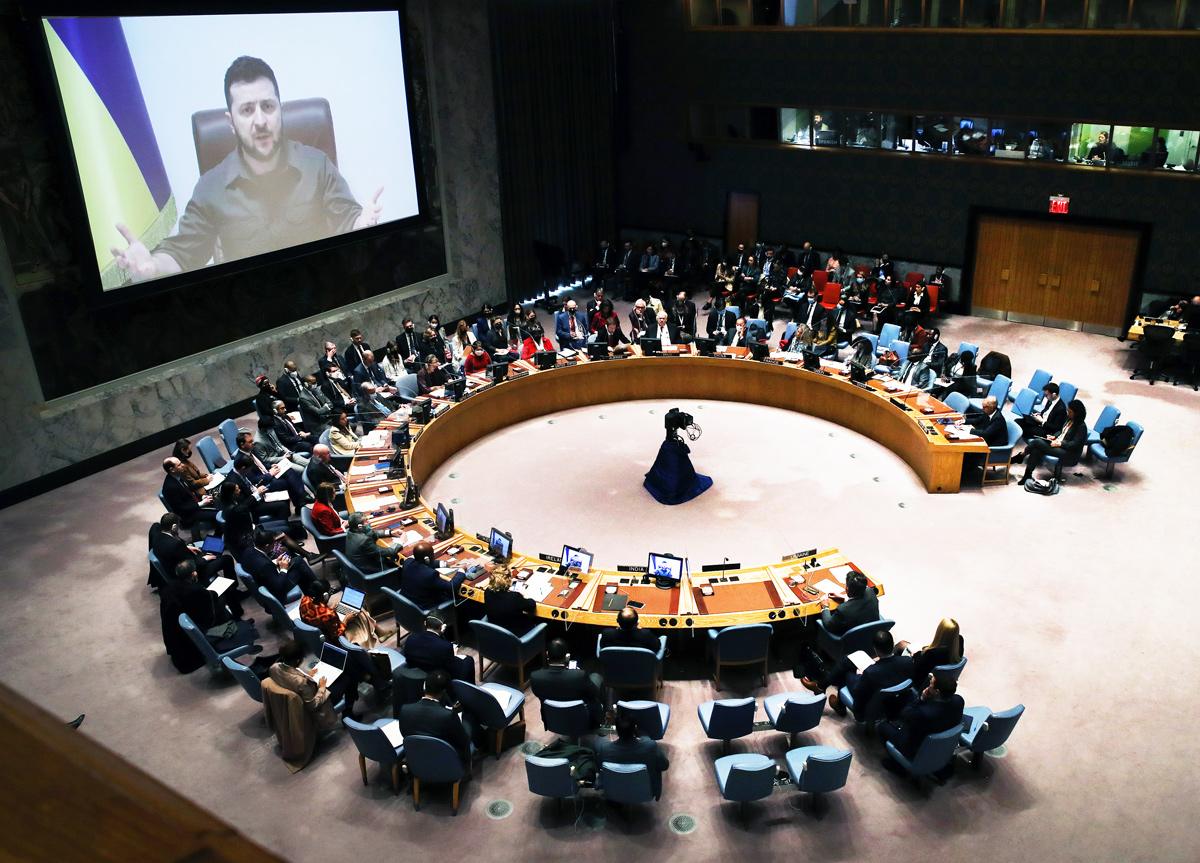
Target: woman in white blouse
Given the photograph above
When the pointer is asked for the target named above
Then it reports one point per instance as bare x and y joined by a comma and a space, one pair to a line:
460, 343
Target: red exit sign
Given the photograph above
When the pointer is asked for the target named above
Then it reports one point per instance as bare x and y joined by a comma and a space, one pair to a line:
1060, 204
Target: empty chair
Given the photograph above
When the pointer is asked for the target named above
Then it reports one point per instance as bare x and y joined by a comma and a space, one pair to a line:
1067, 392
900, 348
500, 647
1000, 457
276, 609
749, 644
433, 762
952, 671
727, 719
1107, 419
211, 657
492, 704
934, 754
568, 718
818, 770
228, 430
326, 542
972, 349
744, 777
1037, 380
211, 456
245, 676
652, 717
830, 294
158, 569
409, 615
856, 638
630, 668
1022, 405
1156, 347
551, 777
873, 712
373, 745
311, 637
1098, 451
406, 387
984, 731
794, 712
887, 334
368, 583
957, 402
625, 783
366, 662
998, 389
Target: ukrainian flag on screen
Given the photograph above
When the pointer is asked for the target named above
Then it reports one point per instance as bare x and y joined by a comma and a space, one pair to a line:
120, 167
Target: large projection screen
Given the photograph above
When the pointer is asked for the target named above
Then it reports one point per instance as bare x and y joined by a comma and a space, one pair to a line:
180, 172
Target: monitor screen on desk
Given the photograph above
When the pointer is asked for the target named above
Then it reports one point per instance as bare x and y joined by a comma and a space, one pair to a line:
444, 519
577, 559
182, 127
665, 567
500, 545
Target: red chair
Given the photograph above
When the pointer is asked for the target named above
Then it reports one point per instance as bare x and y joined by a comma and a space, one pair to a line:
932, 290
862, 270
830, 295
819, 278
792, 272
872, 296
912, 278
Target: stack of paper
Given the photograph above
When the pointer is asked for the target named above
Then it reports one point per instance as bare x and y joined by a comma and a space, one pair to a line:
220, 584
392, 732
361, 469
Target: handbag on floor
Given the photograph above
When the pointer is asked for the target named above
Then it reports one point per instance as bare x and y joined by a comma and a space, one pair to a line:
1041, 486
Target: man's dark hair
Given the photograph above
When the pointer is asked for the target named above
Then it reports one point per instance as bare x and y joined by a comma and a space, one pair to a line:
856, 585
229, 491
291, 652
556, 650
627, 618
185, 569
354, 333
1051, 387
316, 588
434, 622
168, 521
243, 436
626, 727
945, 684
883, 643
436, 682
245, 69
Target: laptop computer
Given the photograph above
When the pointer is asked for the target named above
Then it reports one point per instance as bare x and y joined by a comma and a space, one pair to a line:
331, 664
351, 601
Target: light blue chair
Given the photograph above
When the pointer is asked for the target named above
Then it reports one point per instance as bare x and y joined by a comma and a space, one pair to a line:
1067, 392
368, 583
870, 337
245, 676
744, 777
856, 638
228, 430
1037, 380
660, 653
433, 762
953, 671
957, 402
366, 664
788, 332
211, 456
1107, 419
482, 703
551, 777
630, 668
794, 712
373, 745
1098, 451
157, 566
727, 719
571, 719
759, 324
1022, 405
1000, 457
887, 334
900, 349
873, 712
211, 658
984, 731
736, 311
818, 770
406, 387
311, 637
627, 784
277, 610
967, 346
747, 644
998, 388
652, 717
934, 754
500, 647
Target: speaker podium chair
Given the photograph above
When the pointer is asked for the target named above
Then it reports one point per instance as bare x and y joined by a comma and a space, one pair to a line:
307, 121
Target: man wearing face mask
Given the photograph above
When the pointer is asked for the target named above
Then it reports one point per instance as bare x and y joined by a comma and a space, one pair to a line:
288, 385
737, 337
844, 320
315, 407
571, 327
683, 314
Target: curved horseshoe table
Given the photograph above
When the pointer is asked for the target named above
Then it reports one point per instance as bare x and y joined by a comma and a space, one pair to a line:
793, 588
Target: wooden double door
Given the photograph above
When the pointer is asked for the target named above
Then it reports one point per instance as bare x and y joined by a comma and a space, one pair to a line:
1053, 273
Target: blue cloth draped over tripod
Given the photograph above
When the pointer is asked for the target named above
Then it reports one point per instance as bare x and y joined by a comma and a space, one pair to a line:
672, 480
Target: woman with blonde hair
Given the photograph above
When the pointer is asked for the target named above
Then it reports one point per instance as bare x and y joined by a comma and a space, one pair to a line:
945, 649
504, 606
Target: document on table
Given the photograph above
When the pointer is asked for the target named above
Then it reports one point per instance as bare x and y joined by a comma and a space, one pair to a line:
386, 500
535, 587
361, 469
392, 732
409, 537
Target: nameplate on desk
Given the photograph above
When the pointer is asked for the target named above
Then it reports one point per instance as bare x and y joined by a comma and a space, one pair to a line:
631, 568
898, 403
553, 558
800, 554
863, 386
722, 356
516, 375
770, 362
720, 567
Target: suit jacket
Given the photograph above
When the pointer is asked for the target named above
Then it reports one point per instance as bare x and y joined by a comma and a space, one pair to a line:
993, 429
169, 549
266, 574
642, 750
424, 586
720, 321
685, 321
846, 322
429, 651
809, 261
618, 637
286, 432
408, 344
319, 471
672, 331
919, 374
181, 499
923, 718
818, 315
268, 448
638, 325
558, 683
733, 339
288, 388
509, 609
1055, 420
366, 554
437, 347
337, 393
352, 358
629, 259
914, 305
881, 674
427, 381
374, 374
562, 328
429, 718
854, 612
1074, 440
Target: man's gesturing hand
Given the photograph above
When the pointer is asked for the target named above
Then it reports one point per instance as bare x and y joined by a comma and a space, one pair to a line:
135, 259
370, 213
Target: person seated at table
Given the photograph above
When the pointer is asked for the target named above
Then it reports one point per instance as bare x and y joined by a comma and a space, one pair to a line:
947, 648
429, 717
601, 316
737, 337
617, 341
342, 439
916, 371
640, 322
422, 583
318, 695
504, 606
189, 470
1068, 444
860, 606
939, 708
809, 310
958, 375
429, 650
664, 331
627, 634
477, 360
1047, 418
431, 375
800, 341
843, 321
535, 340
914, 309
558, 682
277, 563
889, 294
498, 343
255, 482
720, 319
862, 356
570, 327
889, 668
363, 548
989, 423
359, 627
631, 748
321, 470
324, 512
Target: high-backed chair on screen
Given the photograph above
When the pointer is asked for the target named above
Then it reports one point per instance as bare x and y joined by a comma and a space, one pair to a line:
433, 762
500, 647
998, 389
1108, 418
631, 668
956, 401
984, 731
211, 456
934, 754
999, 458
727, 719
373, 745
1023, 404
744, 777
308, 121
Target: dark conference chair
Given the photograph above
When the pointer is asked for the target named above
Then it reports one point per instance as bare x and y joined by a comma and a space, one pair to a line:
308, 121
